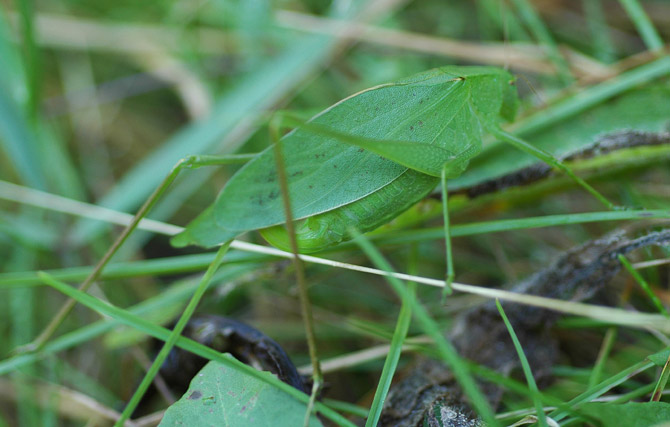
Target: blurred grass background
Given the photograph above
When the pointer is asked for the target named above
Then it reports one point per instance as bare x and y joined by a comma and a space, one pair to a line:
98, 100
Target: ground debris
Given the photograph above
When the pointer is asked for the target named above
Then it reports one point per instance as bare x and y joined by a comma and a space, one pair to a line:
606, 144
480, 335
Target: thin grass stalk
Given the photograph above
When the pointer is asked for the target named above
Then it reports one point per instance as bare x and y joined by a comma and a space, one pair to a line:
643, 24
603, 47
602, 388
644, 285
661, 383
305, 305
543, 36
177, 292
605, 349
528, 373
393, 356
174, 335
430, 327
163, 334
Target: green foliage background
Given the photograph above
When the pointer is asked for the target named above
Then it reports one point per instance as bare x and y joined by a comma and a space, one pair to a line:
98, 100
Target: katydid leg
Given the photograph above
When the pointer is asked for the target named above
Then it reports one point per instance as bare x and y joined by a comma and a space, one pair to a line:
305, 306
542, 155
190, 162
447, 236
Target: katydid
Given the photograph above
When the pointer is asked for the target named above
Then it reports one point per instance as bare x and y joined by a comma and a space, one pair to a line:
367, 159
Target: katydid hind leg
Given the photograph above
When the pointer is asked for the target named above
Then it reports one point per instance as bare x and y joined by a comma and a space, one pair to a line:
549, 159
305, 305
447, 236
189, 162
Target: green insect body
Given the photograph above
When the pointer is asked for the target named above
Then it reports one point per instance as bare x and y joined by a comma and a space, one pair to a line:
363, 161
328, 229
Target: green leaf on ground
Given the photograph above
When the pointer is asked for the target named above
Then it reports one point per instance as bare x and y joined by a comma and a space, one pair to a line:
632, 414
222, 396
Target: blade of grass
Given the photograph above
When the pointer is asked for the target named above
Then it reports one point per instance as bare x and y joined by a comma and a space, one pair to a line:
534, 392
609, 315
602, 388
22, 314
509, 27
346, 407
177, 292
12, 75
430, 327
543, 36
635, 394
590, 97
605, 348
31, 57
26, 138
487, 227
194, 347
151, 267
644, 285
21, 194
643, 24
393, 356
305, 305
493, 376
603, 47
18, 141
174, 335
67, 307
661, 383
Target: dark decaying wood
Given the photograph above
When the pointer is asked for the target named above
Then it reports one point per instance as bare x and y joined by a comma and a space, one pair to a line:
481, 336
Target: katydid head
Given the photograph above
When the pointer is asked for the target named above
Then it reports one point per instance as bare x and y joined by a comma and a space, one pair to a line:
510, 99
313, 234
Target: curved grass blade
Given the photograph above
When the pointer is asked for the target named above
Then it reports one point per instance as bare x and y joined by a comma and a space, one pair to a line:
194, 347
445, 348
542, 417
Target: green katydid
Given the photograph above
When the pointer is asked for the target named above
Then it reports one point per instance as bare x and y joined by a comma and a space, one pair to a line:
367, 159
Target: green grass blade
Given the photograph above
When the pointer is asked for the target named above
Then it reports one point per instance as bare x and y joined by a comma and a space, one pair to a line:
602, 388
346, 407
543, 36
603, 47
643, 24
592, 96
506, 22
542, 417
125, 270
447, 351
17, 139
177, 293
644, 285
31, 57
174, 335
391, 362
661, 383
163, 334
605, 348
486, 227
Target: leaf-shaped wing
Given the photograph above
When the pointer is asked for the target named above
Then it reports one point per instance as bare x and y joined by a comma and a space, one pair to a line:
440, 108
